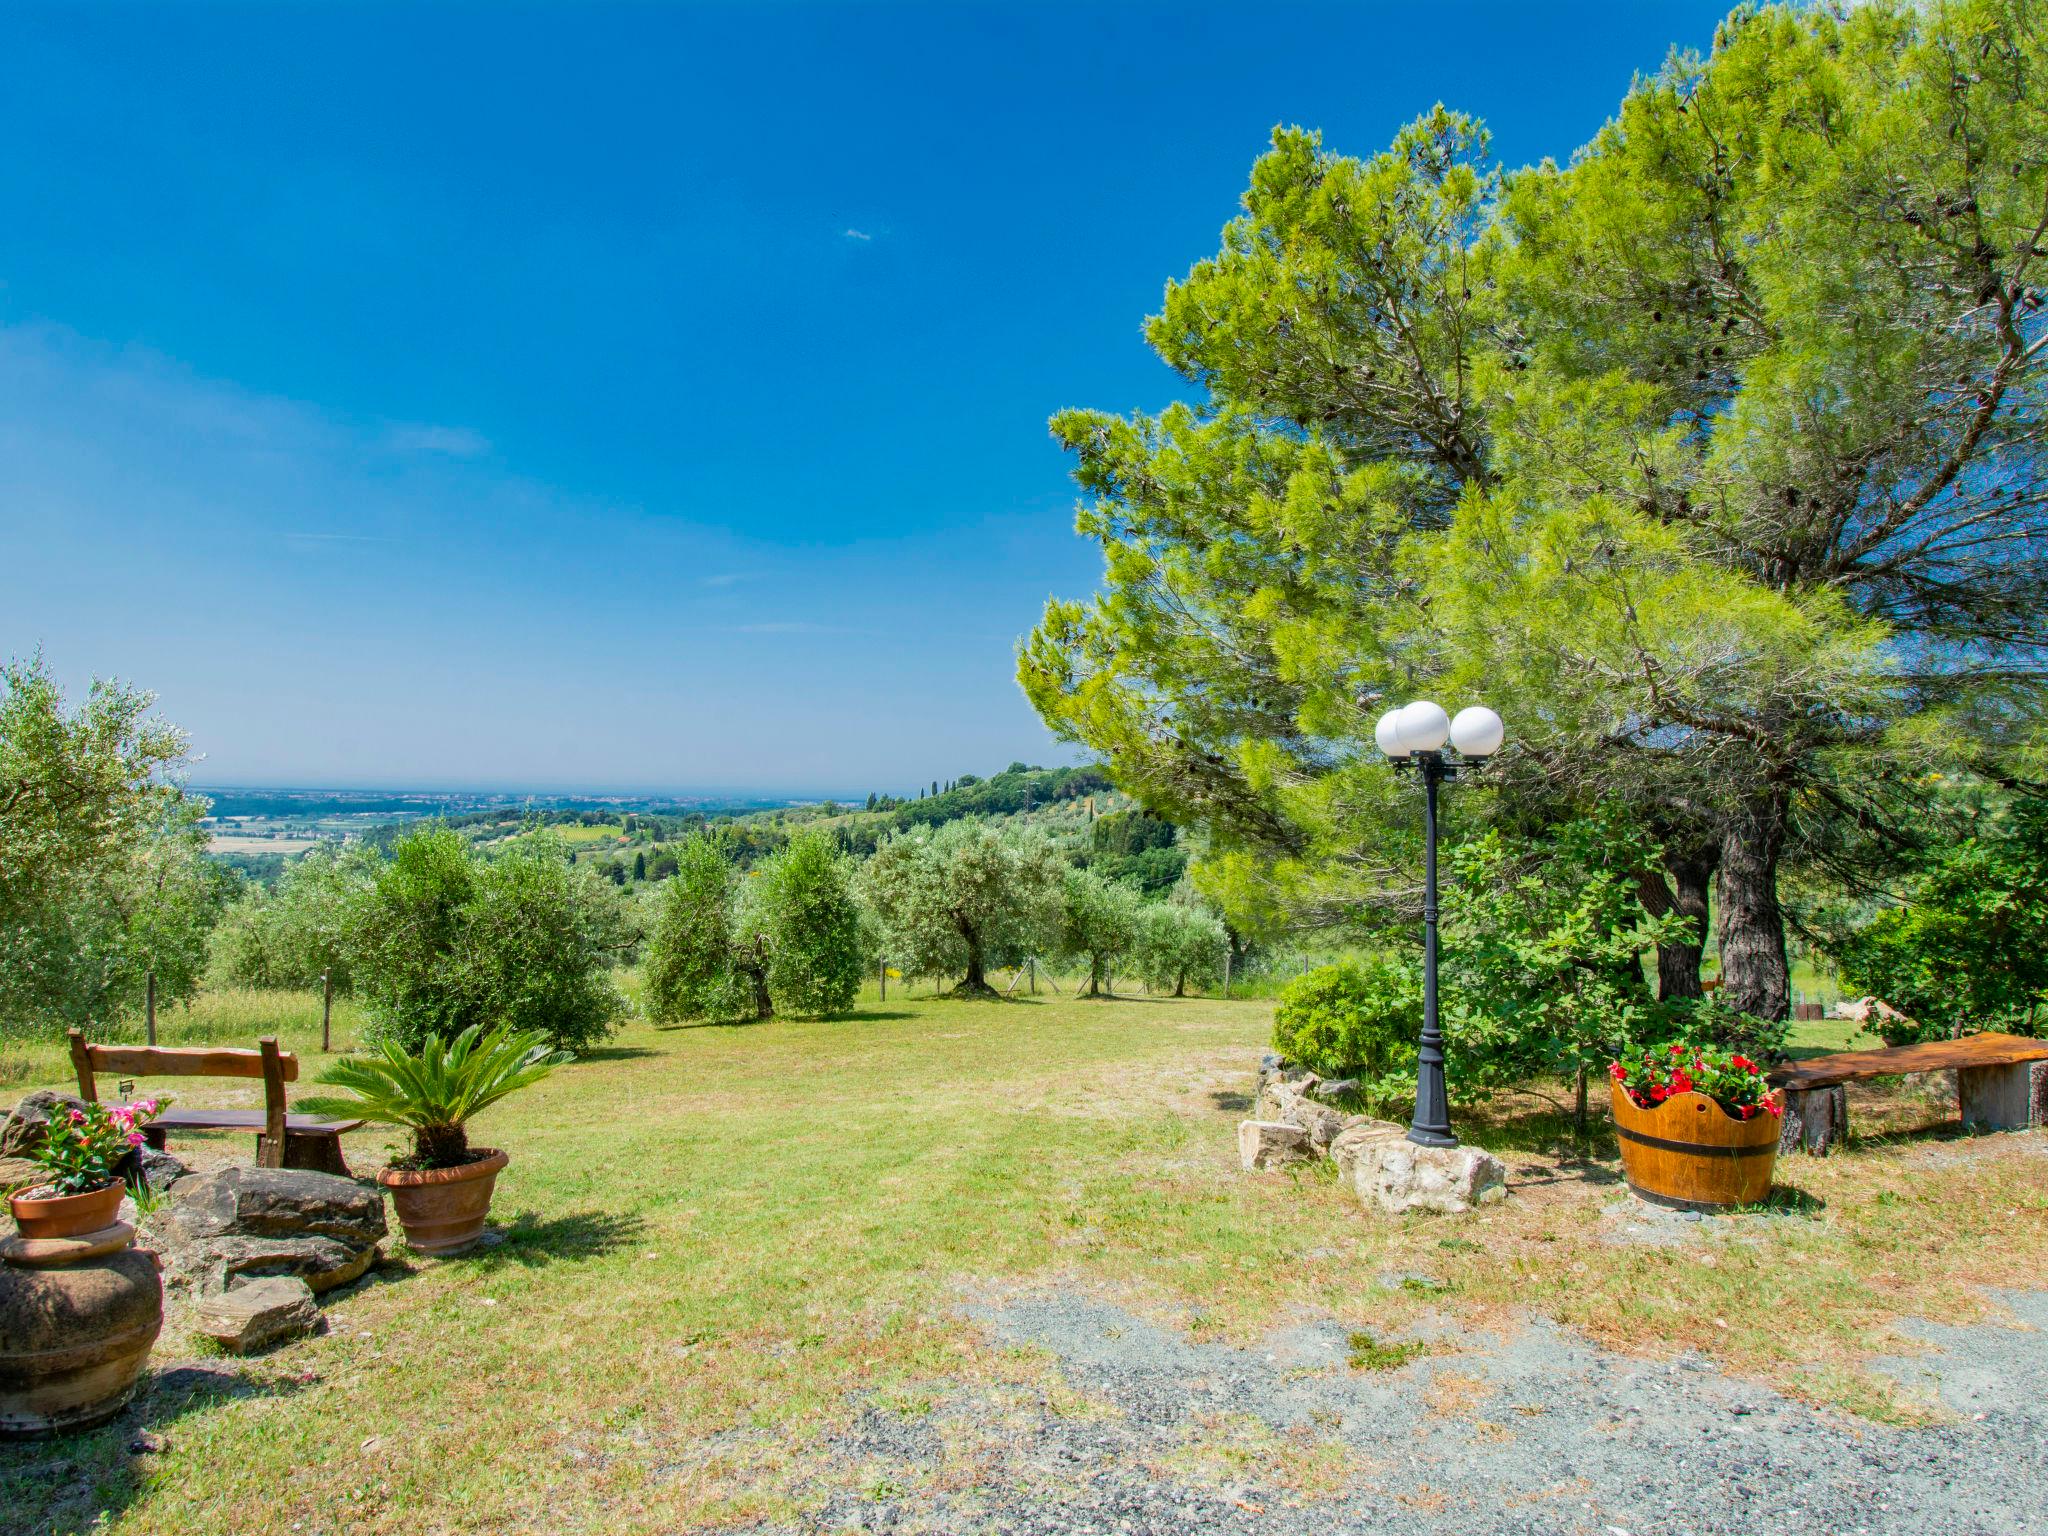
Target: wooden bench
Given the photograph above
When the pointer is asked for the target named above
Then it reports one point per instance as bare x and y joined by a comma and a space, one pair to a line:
283, 1140
2001, 1085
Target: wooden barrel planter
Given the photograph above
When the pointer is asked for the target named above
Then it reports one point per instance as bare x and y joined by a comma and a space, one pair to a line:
1690, 1153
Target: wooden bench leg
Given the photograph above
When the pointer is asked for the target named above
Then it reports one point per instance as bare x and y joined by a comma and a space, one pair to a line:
314, 1154
2012, 1098
1814, 1120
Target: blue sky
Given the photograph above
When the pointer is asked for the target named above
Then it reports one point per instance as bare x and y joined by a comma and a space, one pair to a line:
649, 397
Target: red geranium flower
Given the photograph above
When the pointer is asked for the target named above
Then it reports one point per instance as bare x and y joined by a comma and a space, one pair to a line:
1659, 1092
1680, 1083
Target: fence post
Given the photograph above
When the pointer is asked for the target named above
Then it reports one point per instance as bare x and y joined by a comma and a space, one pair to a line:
326, 1009
1033, 963
882, 975
1226, 973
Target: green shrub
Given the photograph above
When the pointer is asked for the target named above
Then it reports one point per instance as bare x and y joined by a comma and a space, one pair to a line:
1968, 949
1355, 1019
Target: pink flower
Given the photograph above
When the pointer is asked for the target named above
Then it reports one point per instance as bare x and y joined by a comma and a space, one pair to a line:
136, 1138
77, 1117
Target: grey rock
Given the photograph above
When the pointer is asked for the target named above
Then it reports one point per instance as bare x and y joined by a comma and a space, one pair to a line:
1329, 1089
1398, 1175
258, 1314
161, 1169
1268, 1144
1292, 1105
244, 1223
22, 1132
18, 1173
1350, 1144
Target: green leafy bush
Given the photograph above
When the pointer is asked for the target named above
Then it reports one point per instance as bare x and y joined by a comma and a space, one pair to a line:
437, 1089
1968, 948
1356, 1019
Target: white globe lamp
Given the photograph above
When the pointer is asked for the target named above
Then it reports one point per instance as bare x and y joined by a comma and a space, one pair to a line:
1477, 732
1422, 726
1387, 734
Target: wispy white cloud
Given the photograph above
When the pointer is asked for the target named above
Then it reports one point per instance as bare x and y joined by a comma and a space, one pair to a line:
786, 627
455, 442
858, 234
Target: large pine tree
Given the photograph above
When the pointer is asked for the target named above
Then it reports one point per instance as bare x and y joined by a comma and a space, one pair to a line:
1710, 459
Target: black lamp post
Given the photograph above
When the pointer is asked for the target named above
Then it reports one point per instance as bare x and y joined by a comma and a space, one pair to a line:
1414, 736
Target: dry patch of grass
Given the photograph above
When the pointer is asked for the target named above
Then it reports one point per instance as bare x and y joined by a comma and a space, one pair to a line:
722, 1243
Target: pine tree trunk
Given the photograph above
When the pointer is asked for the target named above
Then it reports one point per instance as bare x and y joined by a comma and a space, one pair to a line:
1755, 976
1682, 886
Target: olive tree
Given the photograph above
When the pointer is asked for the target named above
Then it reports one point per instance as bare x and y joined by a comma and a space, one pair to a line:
706, 957
443, 938
100, 870
1180, 946
811, 921
964, 896
1098, 924
295, 934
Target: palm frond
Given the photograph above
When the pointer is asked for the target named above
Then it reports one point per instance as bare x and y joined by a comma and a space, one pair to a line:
442, 1084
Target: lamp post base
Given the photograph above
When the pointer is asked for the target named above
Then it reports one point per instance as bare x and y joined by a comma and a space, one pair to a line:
1423, 1138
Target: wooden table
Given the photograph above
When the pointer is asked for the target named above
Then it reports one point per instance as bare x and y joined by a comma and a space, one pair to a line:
2001, 1085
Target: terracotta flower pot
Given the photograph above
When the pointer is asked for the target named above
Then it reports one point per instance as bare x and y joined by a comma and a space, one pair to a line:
1691, 1153
442, 1209
39, 1215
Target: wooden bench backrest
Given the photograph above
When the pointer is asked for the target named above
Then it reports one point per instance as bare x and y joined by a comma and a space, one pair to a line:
274, 1067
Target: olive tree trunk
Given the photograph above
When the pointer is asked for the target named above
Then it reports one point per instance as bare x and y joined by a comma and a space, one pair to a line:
1755, 975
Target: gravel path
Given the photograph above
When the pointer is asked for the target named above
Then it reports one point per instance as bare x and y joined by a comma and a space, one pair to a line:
1533, 1434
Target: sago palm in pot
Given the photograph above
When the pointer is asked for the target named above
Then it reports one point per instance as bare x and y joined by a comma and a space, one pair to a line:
442, 1192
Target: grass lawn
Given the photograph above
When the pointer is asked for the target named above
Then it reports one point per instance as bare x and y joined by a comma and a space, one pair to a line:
722, 1242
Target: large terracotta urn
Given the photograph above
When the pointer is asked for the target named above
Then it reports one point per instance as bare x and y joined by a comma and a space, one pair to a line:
77, 1319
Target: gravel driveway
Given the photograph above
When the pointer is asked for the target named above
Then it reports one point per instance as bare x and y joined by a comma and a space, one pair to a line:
1536, 1433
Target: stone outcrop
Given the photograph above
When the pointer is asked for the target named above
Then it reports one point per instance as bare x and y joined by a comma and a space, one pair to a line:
22, 1131
1269, 1144
1396, 1175
258, 1314
218, 1229
18, 1173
